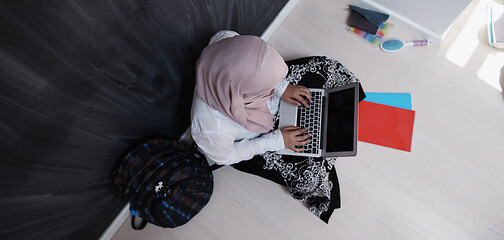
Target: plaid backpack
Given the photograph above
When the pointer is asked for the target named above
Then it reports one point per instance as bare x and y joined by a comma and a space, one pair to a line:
167, 183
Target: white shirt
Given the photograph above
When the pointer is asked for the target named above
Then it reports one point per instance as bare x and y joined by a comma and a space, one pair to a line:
226, 142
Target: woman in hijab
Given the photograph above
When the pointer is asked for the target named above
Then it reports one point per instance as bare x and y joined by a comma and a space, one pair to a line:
239, 84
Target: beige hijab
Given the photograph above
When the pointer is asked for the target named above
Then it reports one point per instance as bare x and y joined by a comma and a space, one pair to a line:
236, 77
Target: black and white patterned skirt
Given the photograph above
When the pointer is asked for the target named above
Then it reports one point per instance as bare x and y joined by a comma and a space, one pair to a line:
311, 180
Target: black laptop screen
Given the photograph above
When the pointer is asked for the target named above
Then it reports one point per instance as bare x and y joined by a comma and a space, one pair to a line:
340, 121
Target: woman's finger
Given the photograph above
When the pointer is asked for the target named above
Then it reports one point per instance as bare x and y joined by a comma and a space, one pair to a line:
291, 128
294, 102
306, 141
302, 100
302, 136
303, 91
296, 149
307, 95
300, 139
300, 131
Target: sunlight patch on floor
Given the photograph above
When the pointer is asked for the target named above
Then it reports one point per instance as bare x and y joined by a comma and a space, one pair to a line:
491, 69
463, 48
467, 42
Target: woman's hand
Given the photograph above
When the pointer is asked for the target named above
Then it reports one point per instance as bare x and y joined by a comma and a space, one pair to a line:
293, 138
296, 95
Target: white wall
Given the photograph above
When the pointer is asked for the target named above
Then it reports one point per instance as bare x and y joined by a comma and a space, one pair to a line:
429, 19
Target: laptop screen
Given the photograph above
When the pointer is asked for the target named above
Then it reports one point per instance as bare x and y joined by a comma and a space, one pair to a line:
341, 121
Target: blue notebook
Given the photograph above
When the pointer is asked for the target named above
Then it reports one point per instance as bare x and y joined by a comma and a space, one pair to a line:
400, 100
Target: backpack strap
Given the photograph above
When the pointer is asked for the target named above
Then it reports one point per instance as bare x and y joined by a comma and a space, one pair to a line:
142, 225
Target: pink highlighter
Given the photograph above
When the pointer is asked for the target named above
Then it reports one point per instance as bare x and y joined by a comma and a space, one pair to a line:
394, 45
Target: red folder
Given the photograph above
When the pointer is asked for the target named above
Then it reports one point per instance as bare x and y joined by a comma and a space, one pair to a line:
385, 125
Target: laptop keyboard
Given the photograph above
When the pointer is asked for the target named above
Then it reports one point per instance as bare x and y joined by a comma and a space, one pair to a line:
311, 118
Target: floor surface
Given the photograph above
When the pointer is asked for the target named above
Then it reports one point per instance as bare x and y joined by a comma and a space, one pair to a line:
451, 184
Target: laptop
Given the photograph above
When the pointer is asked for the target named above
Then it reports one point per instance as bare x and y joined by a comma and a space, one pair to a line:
331, 118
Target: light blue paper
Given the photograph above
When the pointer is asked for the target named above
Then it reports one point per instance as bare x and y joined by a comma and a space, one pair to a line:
400, 100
